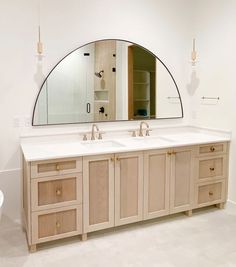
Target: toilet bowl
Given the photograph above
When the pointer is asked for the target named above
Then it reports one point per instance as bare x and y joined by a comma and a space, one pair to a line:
1, 203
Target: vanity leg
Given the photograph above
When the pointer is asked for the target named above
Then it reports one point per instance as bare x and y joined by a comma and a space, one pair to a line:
32, 248
220, 206
84, 237
188, 213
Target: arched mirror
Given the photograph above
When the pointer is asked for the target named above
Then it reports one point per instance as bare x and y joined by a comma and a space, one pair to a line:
107, 80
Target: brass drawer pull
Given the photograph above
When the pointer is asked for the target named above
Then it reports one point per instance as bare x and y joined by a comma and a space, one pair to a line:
58, 225
212, 169
211, 193
57, 167
58, 192
169, 153
212, 149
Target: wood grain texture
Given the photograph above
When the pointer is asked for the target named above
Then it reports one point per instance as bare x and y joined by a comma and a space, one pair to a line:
212, 149
98, 192
210, 193
48, 168
56, 191
56, 223
182, 179
211, 168
156, 183
128, 188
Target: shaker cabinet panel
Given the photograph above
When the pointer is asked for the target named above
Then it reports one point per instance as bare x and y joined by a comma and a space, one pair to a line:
156, 183
128, 188
182, 184
98, 196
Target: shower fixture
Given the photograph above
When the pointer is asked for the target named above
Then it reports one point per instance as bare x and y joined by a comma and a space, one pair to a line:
99, 74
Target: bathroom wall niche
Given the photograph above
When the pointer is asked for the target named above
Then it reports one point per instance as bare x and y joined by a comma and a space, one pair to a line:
107, 80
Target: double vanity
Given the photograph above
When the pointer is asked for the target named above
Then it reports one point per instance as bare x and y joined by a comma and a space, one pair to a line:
73, 185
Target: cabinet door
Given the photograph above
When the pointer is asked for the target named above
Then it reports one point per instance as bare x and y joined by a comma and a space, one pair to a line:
128, 188
98, 192
156, 183
181, 183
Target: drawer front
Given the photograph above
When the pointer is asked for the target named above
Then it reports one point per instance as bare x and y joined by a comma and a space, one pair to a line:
212, 168
208, 194
57, 191
57, 223
212, 149
55, 167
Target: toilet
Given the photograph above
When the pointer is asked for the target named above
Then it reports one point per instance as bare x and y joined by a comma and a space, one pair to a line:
1, 203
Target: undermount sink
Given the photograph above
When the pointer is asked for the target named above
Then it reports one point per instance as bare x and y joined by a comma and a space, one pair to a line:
101, 144
149, 140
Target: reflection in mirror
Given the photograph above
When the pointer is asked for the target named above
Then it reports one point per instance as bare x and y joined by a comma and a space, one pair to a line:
107, 80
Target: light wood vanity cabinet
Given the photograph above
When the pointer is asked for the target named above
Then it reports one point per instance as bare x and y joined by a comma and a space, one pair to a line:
211, 175
75, 196
113, 190
52, 200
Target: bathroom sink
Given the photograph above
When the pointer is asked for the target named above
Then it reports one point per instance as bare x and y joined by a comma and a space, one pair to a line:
149, 140
100, 144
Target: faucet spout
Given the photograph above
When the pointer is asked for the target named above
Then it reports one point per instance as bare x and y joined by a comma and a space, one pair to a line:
142, 123
94, 127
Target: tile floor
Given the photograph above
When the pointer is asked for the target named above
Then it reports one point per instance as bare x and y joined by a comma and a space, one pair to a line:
206, 239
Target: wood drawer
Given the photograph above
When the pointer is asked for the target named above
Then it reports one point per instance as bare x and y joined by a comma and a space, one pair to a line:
56, 191
55, 167
213, 149
56, 224
211, 168
210, 193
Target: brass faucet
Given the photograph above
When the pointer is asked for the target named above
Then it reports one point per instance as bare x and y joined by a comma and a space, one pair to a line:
94, 126
141, 128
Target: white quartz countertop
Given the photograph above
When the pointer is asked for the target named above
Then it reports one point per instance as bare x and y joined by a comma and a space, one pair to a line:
45, 148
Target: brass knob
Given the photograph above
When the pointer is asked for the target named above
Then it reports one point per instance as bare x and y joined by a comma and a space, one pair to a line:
210, 193
212, 149
212, 169
58, 192
57, 167
58, 225
169, 153
118, 159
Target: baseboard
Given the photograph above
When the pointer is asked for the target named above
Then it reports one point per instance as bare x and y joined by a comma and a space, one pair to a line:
231, 202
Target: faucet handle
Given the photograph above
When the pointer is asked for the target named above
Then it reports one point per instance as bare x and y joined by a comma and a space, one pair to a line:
100, 133
148, 131
85, 138
133, 133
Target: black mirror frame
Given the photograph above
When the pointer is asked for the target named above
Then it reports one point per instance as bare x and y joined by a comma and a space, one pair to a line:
110, 39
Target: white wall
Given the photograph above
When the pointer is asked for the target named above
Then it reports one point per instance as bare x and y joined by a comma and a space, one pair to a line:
162, 26
215, 34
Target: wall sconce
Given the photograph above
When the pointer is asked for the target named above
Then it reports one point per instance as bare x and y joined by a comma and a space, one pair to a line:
39, 44
194, 53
